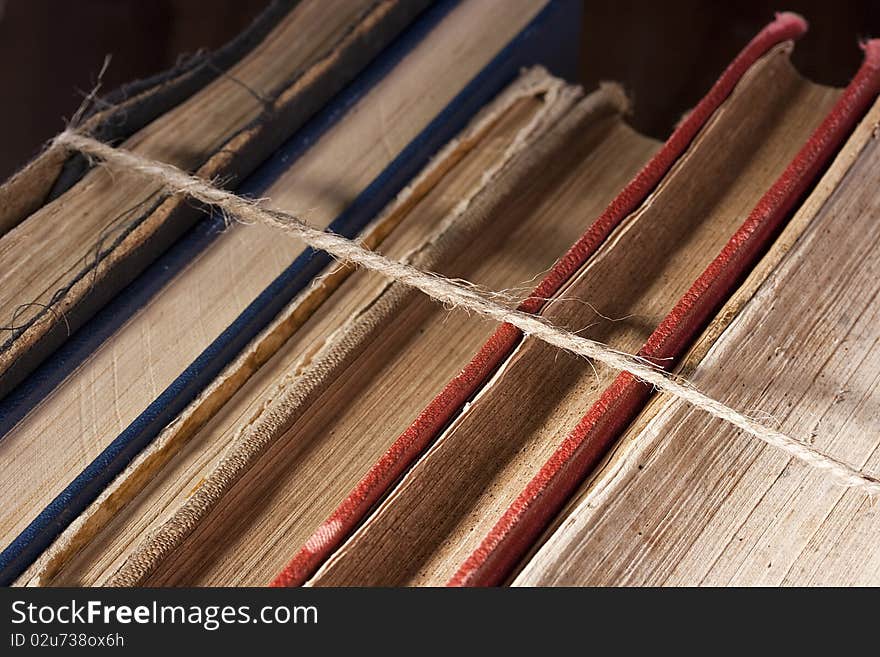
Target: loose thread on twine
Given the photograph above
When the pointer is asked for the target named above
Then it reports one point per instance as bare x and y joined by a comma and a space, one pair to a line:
461, 295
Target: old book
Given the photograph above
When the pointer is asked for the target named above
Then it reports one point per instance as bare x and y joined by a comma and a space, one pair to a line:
424, 97
247, 411
685, 500
188, 544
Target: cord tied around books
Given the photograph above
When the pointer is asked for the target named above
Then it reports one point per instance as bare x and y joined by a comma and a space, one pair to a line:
460, 295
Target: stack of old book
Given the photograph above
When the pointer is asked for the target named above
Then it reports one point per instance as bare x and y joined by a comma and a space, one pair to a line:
189, 400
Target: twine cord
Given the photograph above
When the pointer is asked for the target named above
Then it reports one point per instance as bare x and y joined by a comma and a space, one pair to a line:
461, 295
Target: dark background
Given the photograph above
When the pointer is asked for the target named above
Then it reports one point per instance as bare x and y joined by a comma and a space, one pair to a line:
667, 54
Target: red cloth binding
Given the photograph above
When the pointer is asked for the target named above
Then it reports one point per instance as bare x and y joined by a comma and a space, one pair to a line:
526, 518
412, 442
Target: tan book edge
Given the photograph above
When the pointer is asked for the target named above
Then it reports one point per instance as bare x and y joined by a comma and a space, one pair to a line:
683, 500
455, 494
26, 190
145, 354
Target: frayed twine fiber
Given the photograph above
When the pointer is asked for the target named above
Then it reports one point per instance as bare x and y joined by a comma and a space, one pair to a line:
464, 296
